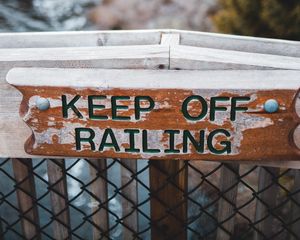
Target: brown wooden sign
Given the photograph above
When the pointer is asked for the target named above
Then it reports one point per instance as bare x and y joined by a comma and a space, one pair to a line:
154, 114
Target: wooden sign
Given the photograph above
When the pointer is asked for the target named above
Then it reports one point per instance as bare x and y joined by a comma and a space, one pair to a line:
159, 114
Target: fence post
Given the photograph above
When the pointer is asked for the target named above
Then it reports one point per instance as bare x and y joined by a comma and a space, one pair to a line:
129, 198
98, 171
168, 186
267, 192
295, 208
25, 188
228, 186
59, 198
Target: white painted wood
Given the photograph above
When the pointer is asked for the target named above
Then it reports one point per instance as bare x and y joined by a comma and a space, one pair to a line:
153, 79
116, 53
79, 39
170, 39
137, 37
240, 43
197, 58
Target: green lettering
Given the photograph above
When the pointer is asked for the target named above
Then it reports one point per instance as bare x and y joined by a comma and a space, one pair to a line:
199, 145
112, 144
235, 108
79, 139
71, 104
93, 106
226, 144
145, 143
138, 108
115, 107
171, 148
213, 106
185, 104
131, 133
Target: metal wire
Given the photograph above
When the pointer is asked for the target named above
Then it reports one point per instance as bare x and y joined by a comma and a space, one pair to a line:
109, 199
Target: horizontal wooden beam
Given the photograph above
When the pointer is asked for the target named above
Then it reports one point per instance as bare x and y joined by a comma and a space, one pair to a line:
79, 39
116, 53
152, 79
199, 58
239, 43
143, 37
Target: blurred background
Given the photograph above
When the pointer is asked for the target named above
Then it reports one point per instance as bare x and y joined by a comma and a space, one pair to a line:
264, 18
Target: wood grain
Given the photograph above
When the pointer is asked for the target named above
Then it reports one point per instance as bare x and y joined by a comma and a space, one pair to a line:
240, 43
248, 133
129, 198
168, 185
227, 204
267, 196
199, 58
26, 195
79, 39
98, 187
59, 198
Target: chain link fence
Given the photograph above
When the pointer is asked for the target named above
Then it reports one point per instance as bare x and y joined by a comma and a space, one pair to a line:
128, 199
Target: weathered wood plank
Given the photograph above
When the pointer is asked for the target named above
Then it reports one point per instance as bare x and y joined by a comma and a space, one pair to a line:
129, 198
59, 198
79, 39
198, 58
137, 37
240, 43
119, 56
99, 199
168, 184
295, 208
152, 79
25, 189
167, 101
267, 196
226, 207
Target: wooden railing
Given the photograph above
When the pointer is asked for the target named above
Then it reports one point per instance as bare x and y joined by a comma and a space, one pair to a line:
153, 49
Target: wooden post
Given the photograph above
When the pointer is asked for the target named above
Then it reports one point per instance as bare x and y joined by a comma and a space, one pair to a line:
59, 198
99, 189
130, 198
26, 197
168, 184
1, 231
295, 209
267, 200
226, 210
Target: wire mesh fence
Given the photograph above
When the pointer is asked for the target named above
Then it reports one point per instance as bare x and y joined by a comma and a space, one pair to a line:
128, 199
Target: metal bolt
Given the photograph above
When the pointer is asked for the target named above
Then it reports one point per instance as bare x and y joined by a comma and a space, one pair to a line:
42, 103
271, 106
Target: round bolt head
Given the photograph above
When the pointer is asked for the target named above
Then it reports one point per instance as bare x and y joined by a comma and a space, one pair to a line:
271, 106
42, 104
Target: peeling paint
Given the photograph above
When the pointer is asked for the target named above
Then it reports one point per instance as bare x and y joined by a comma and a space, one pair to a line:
55, 135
